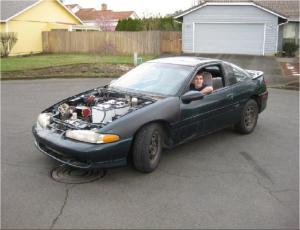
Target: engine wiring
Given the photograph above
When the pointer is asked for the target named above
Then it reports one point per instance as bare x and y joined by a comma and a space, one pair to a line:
103, 105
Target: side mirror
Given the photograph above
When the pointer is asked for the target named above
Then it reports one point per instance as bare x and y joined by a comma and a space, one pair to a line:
191, 96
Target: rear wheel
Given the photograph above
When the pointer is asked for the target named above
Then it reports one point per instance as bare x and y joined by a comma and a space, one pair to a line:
249, 118
147, 148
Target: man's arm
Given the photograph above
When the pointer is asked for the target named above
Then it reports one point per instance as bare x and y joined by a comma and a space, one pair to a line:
207, 90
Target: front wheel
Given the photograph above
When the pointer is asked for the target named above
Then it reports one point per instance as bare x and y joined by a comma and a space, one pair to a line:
147, 148
249, 118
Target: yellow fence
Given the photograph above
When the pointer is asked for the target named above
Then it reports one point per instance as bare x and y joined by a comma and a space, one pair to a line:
115, 43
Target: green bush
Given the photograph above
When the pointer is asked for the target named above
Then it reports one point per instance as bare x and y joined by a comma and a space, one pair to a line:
7, 42
290, 48
129, 25
160, 23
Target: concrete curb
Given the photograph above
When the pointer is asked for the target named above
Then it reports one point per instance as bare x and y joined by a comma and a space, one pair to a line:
286, 87
289, 60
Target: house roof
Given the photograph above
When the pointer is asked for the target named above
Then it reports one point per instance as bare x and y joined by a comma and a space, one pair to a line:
282, 8
90, 14
288, 8
12, 8
71, 5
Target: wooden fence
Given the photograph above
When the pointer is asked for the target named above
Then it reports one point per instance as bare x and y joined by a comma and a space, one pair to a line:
115, 43
170, 42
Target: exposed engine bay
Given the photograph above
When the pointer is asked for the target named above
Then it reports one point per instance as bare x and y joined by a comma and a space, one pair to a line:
94, 109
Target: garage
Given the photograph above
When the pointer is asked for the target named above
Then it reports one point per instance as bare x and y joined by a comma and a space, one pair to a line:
230, 38
226, 27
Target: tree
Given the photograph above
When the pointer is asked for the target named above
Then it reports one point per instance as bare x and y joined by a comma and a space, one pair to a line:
152, 23
177, 12
105, 24
7, 42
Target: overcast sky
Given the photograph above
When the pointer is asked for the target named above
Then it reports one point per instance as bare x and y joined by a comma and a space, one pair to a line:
141, 7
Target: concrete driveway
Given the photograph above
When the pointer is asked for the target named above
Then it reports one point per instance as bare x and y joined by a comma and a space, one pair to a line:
224, 180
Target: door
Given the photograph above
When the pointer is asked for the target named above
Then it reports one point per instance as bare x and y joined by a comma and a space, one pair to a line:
229, 38
206, 115
203, 116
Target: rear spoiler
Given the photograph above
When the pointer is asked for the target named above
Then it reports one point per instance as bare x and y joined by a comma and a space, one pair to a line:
255, 73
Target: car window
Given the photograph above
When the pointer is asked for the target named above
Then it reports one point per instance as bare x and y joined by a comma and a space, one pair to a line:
214, 70
213, 77
217, 76
239, 74
230, 79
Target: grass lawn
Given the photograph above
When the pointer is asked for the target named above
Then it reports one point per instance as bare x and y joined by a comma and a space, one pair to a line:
48, 60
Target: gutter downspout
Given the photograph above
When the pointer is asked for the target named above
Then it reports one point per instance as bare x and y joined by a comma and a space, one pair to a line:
280, 24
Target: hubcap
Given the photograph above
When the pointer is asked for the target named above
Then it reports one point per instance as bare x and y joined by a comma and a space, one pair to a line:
250, 117
154, 146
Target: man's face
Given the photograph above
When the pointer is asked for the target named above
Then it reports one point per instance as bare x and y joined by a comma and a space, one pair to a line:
198, 81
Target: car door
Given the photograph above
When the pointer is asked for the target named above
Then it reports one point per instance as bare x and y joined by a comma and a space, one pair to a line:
241, 87
205, 115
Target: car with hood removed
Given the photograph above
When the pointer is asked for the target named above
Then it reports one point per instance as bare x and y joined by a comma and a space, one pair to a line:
149, 108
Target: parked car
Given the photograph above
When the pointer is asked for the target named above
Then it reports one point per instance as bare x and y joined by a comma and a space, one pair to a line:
149, 108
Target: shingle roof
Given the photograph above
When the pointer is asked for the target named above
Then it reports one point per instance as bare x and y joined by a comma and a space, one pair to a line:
71, 5
10, 8
92, 14
287, 8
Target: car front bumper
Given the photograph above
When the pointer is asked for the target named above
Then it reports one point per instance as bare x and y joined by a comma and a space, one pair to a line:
80, 154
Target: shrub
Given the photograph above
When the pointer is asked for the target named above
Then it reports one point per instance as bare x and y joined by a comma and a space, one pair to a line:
7, 42
129, 25
290, 48
145, 24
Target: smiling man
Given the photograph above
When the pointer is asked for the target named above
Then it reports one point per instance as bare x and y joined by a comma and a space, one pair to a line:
202, 82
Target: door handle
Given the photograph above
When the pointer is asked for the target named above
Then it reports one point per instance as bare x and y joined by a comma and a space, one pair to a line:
230, 96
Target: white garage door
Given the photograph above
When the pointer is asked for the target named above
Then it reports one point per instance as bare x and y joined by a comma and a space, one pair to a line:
235, 38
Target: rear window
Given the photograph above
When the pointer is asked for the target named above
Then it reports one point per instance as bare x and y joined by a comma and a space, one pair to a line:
239, 73
235, 74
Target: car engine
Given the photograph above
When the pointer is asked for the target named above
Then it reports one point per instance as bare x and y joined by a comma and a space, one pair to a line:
95, 109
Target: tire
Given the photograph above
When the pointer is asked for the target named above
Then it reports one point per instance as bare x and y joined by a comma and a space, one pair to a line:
147, 148
248, 118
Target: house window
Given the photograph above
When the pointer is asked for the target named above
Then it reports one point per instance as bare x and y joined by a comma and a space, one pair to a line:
289, 30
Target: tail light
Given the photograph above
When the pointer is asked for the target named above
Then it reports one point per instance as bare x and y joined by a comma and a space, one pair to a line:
264, 95
264, 81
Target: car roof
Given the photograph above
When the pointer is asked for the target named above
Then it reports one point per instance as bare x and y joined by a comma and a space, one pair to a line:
184, 60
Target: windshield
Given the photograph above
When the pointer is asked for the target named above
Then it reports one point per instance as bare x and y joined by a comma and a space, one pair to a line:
154, 78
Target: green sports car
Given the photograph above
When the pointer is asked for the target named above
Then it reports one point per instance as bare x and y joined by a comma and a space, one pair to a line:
154, 106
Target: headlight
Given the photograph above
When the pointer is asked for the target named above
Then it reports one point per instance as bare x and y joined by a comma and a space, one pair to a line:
91, 137
44, 119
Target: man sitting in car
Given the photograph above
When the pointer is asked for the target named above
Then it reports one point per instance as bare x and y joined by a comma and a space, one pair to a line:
202, 82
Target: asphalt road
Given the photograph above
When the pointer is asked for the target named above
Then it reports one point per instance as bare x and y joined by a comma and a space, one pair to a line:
224, 180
